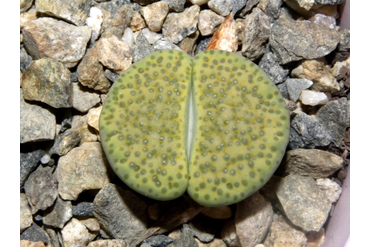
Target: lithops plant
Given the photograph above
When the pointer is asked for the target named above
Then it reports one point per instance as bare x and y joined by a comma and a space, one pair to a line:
239, 122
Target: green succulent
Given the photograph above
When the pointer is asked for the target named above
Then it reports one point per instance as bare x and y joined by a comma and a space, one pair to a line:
237, 118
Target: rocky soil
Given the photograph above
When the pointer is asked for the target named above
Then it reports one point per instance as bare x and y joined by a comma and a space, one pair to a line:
71, 51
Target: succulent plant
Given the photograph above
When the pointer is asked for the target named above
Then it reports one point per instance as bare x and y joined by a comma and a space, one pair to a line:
238, 120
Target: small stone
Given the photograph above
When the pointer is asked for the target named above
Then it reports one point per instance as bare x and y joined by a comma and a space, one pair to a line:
256, 34
317, 72
307, 132
225, 38
253, 219
25, 5
93, 117
185, 238
164, 44
335, 118
137, 22
142, 47
214, 243
128, 37
75, 234
209, 22
313, 98
25, 60
154, 15
324, 20
315, 239
114, 54
331, 189
79, 124
305, 205
296, 40
222, 7
92, 224
341, 70
203, 228
108, 243
48, 37
179, 25
238, 5
189, 43
345, 40
269, 63
176, 5
65, 141
329, 2
296, 86
41, 189
158, 241
202, 45
113, 202
58, 214
75, 12
150, 36
228, 234
83, 209
35, 233
25, 213
82, 98
48, 81
284, 92
91, 72
28, 163
94, 21
27, 243
83, 168
313, 163
249, 6
111, 75
272, 8
281, 234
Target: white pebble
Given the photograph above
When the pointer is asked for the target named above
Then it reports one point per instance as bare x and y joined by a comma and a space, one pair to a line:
152, 37
313, 98
331, 189
45, 159
94, 21
128, 37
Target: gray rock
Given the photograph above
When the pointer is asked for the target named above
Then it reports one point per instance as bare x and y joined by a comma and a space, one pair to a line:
35, 233
307, 132
176, 5
185, 239
203, 229
345, 37
313, 163
36, 123
142, 48
331, 189
253, 219
65, 141
272, 8
283, 90
179, 25
228, 234
41, 189
48, 37
238, 5
222, 7
83, 209
303, 202
58, 214
73, 11
53, 236
82, 168
283, 234
163, 44
158, 241
28, 163
115, 207
25, 60
111, 75
296, 86
80, 125
82, 98
335, 118
296, 40
324, 20
255, 34
209, 22
270, 65
249, 6
202, 45
47, 81
90, 71
25, 213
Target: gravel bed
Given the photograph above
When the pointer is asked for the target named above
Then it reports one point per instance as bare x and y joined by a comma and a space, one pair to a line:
72, 51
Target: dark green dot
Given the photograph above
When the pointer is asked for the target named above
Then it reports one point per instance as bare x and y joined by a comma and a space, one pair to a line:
219, 192
252, 174
202, 185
